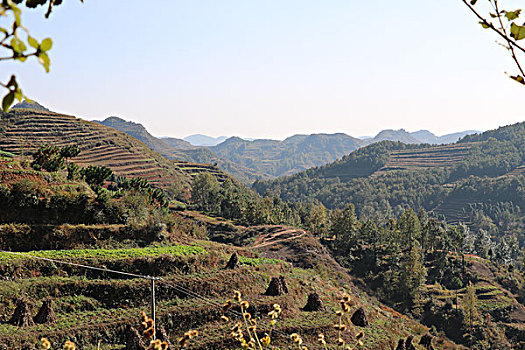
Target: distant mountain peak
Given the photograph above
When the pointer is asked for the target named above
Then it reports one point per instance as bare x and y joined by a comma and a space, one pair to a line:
30, 105
204, 140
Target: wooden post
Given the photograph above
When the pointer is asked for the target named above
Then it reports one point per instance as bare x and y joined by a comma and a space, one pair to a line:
153, 307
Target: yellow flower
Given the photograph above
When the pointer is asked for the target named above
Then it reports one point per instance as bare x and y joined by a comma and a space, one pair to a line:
320, 339
45, 344
360, 335
340, 342
148, 333
69, 345
346, 298
155, 345
277, 308
238, 296
225, 319
191, 333
245, 304
340, 327
296, 338
227, 305
265, 341
344, 306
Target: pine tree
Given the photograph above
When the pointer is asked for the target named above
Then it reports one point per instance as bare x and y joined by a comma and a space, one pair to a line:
412, 277
470, 306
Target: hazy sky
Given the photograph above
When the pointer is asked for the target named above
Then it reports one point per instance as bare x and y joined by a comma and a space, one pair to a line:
271, 68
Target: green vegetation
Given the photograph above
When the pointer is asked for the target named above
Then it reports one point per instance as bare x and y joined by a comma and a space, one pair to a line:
179, 250
477, 181
504, 22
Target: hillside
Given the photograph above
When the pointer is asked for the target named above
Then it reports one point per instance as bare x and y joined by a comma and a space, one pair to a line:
188, 251
23, 131
394, 135
294, 154
477, 180
182, 151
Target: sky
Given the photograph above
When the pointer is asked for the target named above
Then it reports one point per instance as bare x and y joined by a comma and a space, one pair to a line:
273, 68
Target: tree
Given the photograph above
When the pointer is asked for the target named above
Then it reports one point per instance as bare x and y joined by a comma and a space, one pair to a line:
456, 284
482, 244
409, 228
412, 277
16, 40
70, 151
48, 157
205, 191
95, 176
504, 24
470, 305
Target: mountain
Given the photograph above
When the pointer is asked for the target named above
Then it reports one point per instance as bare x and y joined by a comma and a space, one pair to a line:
30, 105
79, 266
22, 131
182, 151
203, 140
140, 133
479, 176
425, 136
393, 135
178, 143
295, 153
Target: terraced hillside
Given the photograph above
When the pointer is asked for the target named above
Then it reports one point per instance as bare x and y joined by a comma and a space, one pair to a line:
280, 158
23, 131
182, 151
481, 176
91, 306
444, 156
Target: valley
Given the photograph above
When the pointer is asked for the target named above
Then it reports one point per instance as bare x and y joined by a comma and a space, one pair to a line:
299, 228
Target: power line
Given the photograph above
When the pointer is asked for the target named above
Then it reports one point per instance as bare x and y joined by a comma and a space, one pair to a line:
81, 265
152, 278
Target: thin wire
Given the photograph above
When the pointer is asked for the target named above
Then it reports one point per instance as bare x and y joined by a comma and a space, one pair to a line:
81, 265
159, 279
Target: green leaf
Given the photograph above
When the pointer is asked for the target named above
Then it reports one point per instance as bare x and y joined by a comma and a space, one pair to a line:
473, 2
484, 24
43, 58
8, 100
32, 42
15, 45
512, 15
46, 44
493, 15
517, 32
18, 95
17, 12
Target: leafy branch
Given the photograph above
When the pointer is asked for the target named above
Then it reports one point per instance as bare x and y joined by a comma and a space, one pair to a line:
506, 27
19, 44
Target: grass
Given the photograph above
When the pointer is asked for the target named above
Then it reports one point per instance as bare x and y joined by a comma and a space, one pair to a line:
110, 254
257, 261
5, 154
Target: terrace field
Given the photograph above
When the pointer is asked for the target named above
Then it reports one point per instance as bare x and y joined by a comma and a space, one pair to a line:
91, 306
